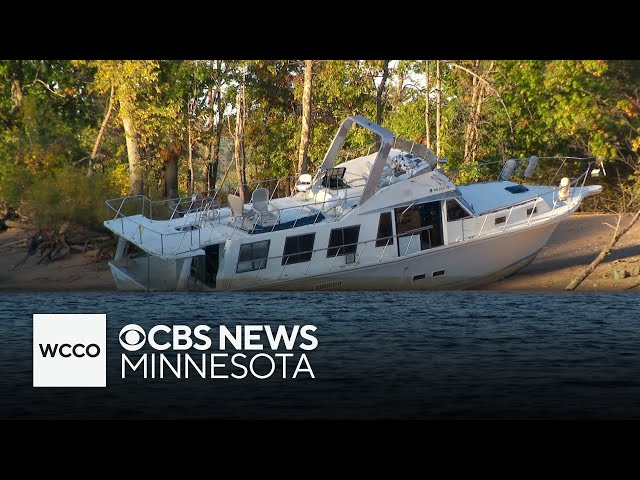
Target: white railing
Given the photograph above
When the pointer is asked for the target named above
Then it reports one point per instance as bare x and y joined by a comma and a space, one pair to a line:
202, 211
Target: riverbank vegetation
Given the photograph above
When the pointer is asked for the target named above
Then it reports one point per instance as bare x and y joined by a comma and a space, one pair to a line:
74, 133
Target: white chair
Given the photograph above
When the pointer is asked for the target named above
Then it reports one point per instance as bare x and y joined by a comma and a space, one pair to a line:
260, 201
304, 183
238, 211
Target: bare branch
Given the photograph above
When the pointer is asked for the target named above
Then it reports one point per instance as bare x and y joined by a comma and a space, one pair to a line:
103, 127
35, 79
486, 82
49, 88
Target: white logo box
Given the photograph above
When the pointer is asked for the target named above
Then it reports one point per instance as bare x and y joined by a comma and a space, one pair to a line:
75, 350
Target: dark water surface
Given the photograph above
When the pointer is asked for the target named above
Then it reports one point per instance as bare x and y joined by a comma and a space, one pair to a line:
381, 355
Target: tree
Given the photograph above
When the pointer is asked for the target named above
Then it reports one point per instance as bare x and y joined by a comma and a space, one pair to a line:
103, 127
16, 79
217, 105
148, 110
306, 117
381, 90
427, 76
438, 108
239, 153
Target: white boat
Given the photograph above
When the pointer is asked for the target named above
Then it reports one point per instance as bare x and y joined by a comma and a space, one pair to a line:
388, 220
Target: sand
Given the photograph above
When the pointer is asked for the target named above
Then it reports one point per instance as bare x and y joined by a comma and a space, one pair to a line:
574, 244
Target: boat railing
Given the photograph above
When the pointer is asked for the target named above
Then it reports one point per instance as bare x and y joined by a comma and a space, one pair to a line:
173, 208
576, 186
542, 170
194, 236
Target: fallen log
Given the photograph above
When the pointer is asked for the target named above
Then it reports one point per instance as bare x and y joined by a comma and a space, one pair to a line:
576, 281
16, 224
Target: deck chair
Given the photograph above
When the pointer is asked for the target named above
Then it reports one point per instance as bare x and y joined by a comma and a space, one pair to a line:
260, 201
241, 218
304, 183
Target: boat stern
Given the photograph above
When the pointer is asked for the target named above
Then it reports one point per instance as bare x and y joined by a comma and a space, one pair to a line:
135, 269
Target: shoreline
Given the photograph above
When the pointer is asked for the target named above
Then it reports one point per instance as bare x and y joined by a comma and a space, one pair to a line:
575, 243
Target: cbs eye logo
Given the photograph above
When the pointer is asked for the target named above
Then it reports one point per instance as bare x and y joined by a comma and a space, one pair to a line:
132, 337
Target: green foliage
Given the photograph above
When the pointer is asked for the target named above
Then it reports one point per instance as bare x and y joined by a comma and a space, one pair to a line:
51, 113
407, 120
67, 194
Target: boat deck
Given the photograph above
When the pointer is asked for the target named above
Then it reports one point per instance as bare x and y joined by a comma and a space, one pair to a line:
187, 235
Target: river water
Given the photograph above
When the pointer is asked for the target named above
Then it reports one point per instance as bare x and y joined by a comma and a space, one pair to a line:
380, 355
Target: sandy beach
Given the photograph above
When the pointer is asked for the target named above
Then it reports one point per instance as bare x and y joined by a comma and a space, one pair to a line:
574, 244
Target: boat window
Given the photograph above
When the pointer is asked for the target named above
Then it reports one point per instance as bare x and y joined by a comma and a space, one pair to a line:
385, 230
343, 241
298, 249
532, 210
422, 221
455, 211
253, 256
500, 220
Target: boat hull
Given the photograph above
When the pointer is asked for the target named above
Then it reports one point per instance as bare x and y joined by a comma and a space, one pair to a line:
462, 265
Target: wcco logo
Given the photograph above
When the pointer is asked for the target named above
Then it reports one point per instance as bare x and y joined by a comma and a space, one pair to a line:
69, 350
78, 350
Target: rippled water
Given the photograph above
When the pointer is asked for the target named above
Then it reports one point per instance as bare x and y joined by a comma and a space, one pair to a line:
450, 355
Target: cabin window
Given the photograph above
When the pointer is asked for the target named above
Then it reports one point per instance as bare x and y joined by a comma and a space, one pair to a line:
532, 210
298, 249
500, 220
455, 211
343, 241
385, 230
419, 227
253, 256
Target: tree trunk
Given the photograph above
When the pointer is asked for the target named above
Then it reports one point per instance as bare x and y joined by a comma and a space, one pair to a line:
220, 107
103, 127
238, 153
426, 102
135, 169
171, 177
208, 146
169, 157
476, 122
212, 172
468, 135
16, 76
303, 157
399, 87
191, 173
209, 180
438, 105
380, 91
212, 151
472, 132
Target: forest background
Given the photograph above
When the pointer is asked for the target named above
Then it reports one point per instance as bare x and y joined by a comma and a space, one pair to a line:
75, 133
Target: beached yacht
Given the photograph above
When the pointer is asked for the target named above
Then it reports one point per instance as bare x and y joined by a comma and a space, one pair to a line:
388, 220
